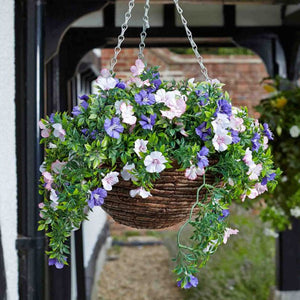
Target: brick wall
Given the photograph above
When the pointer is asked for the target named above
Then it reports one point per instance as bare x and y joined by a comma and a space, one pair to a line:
241, 73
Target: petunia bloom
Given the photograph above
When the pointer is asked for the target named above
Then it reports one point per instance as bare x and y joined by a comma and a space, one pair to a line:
237, 124
155, 162
126, 172
97, 197
109, 180
177, 107
225, 214
235, 136
45, 131
192, 282
105, 81
140, 146
203, 132
202, 159
228, 232
267, 132
140, 192
268, 178
48, 179
127, 114
254, 171
144, 98
59, 131
56, 263
255, 142
224, 107
220, 122
138, 68
148, 123
221, 140
57, 166
192, 172
113, 127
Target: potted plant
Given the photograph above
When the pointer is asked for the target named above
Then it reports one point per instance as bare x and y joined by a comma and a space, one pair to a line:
153, 153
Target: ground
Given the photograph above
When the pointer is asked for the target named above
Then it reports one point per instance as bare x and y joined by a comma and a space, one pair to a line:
243, 269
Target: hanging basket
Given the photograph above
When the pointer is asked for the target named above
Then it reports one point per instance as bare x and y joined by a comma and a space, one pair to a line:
172, 198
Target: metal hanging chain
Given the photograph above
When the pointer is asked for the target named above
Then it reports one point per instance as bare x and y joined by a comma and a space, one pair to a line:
143, 34
121, 36
193, 44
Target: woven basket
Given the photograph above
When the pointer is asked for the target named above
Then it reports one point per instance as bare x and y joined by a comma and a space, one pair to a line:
172, 198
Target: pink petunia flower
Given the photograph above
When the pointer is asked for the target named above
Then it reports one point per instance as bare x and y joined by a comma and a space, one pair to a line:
140, 192
192, 172
59, 131
177, 108
109, 180
57, 166
228, 232
257, 190
138, 68
155, 162
48, 179
45, 131
248, 157
237, 124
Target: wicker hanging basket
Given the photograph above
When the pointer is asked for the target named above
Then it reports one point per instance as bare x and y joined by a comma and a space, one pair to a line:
172, 198
173, 195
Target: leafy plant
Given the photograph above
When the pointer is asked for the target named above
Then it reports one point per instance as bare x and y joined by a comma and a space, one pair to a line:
141, 128
282, 111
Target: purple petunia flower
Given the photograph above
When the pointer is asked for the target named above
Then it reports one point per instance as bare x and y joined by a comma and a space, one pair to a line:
54, 261
51, 118
94, 134
84, 97
203, 97
193, 282
203, 132
225, 214
121, 85
84, 131
144, 98
97, 197
113, 127
255, 142
267, 132
147, 123
268, 178
156, 83
202, 159
76, 109
224, 107
235, 136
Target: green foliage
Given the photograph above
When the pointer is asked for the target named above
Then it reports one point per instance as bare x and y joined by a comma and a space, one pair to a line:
215, 51
281, 110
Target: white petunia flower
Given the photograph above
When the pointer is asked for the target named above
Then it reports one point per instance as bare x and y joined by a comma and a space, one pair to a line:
237, 124
140, 192
254, 171
140, 146
155, 162
228, 232
221, 140
117, 106
105, 81
127, 114
109, 180
271, 232
59, 131
125, 173
192, 172
221, 122
294, 131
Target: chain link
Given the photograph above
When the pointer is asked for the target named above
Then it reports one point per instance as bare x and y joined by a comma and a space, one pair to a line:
143, 34
121, 36
193, 44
